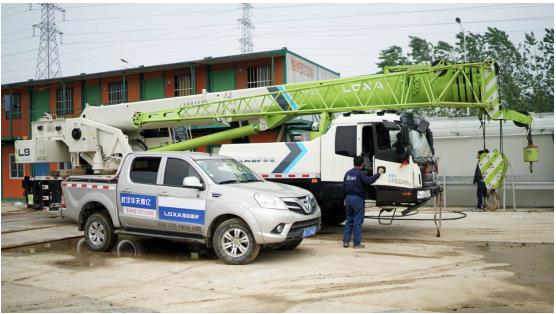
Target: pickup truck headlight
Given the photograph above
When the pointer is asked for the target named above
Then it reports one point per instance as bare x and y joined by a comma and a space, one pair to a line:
423, 194
269, 201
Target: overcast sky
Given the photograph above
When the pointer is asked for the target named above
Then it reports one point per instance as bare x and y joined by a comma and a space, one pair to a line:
345, 38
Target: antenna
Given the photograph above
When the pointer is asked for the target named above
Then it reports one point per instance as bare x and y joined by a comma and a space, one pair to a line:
48, 61
246, 40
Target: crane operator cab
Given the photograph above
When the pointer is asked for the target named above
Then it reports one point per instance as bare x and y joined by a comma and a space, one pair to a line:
400, 143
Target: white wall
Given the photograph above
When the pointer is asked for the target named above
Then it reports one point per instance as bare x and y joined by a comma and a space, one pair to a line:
457, 157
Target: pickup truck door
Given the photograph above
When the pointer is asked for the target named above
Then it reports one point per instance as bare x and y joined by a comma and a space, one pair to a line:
181, 209
137, 192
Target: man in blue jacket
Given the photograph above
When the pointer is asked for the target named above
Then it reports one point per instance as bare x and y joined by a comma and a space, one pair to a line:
355, 183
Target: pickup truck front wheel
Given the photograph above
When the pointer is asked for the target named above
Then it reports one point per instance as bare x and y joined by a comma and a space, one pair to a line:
234, 243
99, 233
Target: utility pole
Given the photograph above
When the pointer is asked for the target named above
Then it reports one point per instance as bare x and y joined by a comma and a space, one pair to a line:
246, 40
459, 21
48, 61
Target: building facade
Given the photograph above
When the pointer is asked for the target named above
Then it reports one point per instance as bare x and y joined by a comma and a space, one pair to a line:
24, 102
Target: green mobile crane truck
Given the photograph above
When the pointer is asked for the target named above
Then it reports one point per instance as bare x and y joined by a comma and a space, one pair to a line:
402, 143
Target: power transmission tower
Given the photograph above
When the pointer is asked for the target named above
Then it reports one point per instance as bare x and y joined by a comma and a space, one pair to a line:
48, 61
246, 40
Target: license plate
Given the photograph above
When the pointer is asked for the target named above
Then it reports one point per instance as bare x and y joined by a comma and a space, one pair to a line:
311, 231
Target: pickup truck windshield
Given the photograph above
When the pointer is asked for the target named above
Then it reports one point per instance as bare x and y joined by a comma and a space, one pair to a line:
224, 171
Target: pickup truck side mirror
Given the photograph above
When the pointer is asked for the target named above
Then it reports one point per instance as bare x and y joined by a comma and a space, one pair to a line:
193, 183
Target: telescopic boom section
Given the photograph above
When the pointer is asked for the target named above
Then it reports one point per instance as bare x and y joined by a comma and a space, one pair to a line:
472, 85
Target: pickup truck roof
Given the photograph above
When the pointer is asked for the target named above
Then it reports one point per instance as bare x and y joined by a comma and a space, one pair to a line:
192, 155
111, 178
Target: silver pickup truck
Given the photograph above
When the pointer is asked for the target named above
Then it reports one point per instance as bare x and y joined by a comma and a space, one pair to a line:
196, 197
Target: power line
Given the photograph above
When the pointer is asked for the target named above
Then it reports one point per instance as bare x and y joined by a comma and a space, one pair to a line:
147, 15
326, 49
16, 13
365, 14
261, 22
320, 30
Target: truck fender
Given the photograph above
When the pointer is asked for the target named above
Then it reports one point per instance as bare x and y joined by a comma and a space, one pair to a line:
238, 210
105, 201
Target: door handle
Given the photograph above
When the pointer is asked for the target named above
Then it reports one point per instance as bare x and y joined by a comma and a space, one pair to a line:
163, 194
127, 191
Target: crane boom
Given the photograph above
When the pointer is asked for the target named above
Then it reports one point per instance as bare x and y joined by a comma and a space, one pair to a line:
471, 85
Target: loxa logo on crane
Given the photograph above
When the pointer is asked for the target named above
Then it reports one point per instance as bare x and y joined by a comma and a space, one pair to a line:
356, 87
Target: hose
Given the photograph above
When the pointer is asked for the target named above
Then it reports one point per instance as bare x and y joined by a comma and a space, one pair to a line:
461, 215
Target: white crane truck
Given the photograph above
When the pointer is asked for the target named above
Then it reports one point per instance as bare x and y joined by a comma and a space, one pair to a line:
402, 143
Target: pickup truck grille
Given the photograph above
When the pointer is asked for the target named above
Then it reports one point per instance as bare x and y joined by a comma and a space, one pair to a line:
304, 205
296, 230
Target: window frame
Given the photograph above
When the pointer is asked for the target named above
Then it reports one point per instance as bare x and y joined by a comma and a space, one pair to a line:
13, 114
182, 160
161, 160
11, 163
253, 72
123, 88
352, 142
188, 90
62, 101
62, 165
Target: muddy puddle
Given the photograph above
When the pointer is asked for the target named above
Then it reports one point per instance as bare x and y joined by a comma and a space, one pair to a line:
136, 247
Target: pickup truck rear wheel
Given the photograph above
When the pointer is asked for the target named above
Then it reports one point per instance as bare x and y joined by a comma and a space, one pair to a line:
99, 233
234, 243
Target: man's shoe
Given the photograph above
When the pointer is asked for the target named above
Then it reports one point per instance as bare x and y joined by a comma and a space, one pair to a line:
360, 246
346, 244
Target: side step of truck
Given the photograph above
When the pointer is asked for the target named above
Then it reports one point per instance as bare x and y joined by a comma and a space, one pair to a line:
186, 237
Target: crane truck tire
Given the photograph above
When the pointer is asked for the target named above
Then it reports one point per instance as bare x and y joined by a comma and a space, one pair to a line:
234, 243
99, 233
333, 213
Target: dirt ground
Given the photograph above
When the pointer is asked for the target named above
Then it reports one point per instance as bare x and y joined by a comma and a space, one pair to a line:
487, 262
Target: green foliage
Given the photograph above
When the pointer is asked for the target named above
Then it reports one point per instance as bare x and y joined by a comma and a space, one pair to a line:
391, 56
526, 77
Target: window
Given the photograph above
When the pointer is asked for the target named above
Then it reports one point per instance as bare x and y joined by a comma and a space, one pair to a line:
17, 171
145, 170
388, 139
346, 141
182, 85
258, 76
13, 105
177, 170
117, 93
64, 103
64, 165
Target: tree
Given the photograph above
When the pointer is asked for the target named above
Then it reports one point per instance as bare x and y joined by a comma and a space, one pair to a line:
538, 79
421, 50
526, 71
391, 56
443, 50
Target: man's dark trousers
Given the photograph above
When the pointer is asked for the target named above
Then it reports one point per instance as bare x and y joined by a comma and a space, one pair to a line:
355, 213
481, 193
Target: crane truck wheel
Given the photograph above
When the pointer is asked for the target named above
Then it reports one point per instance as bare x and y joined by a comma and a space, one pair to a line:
333, 213
99, 233
234, 243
